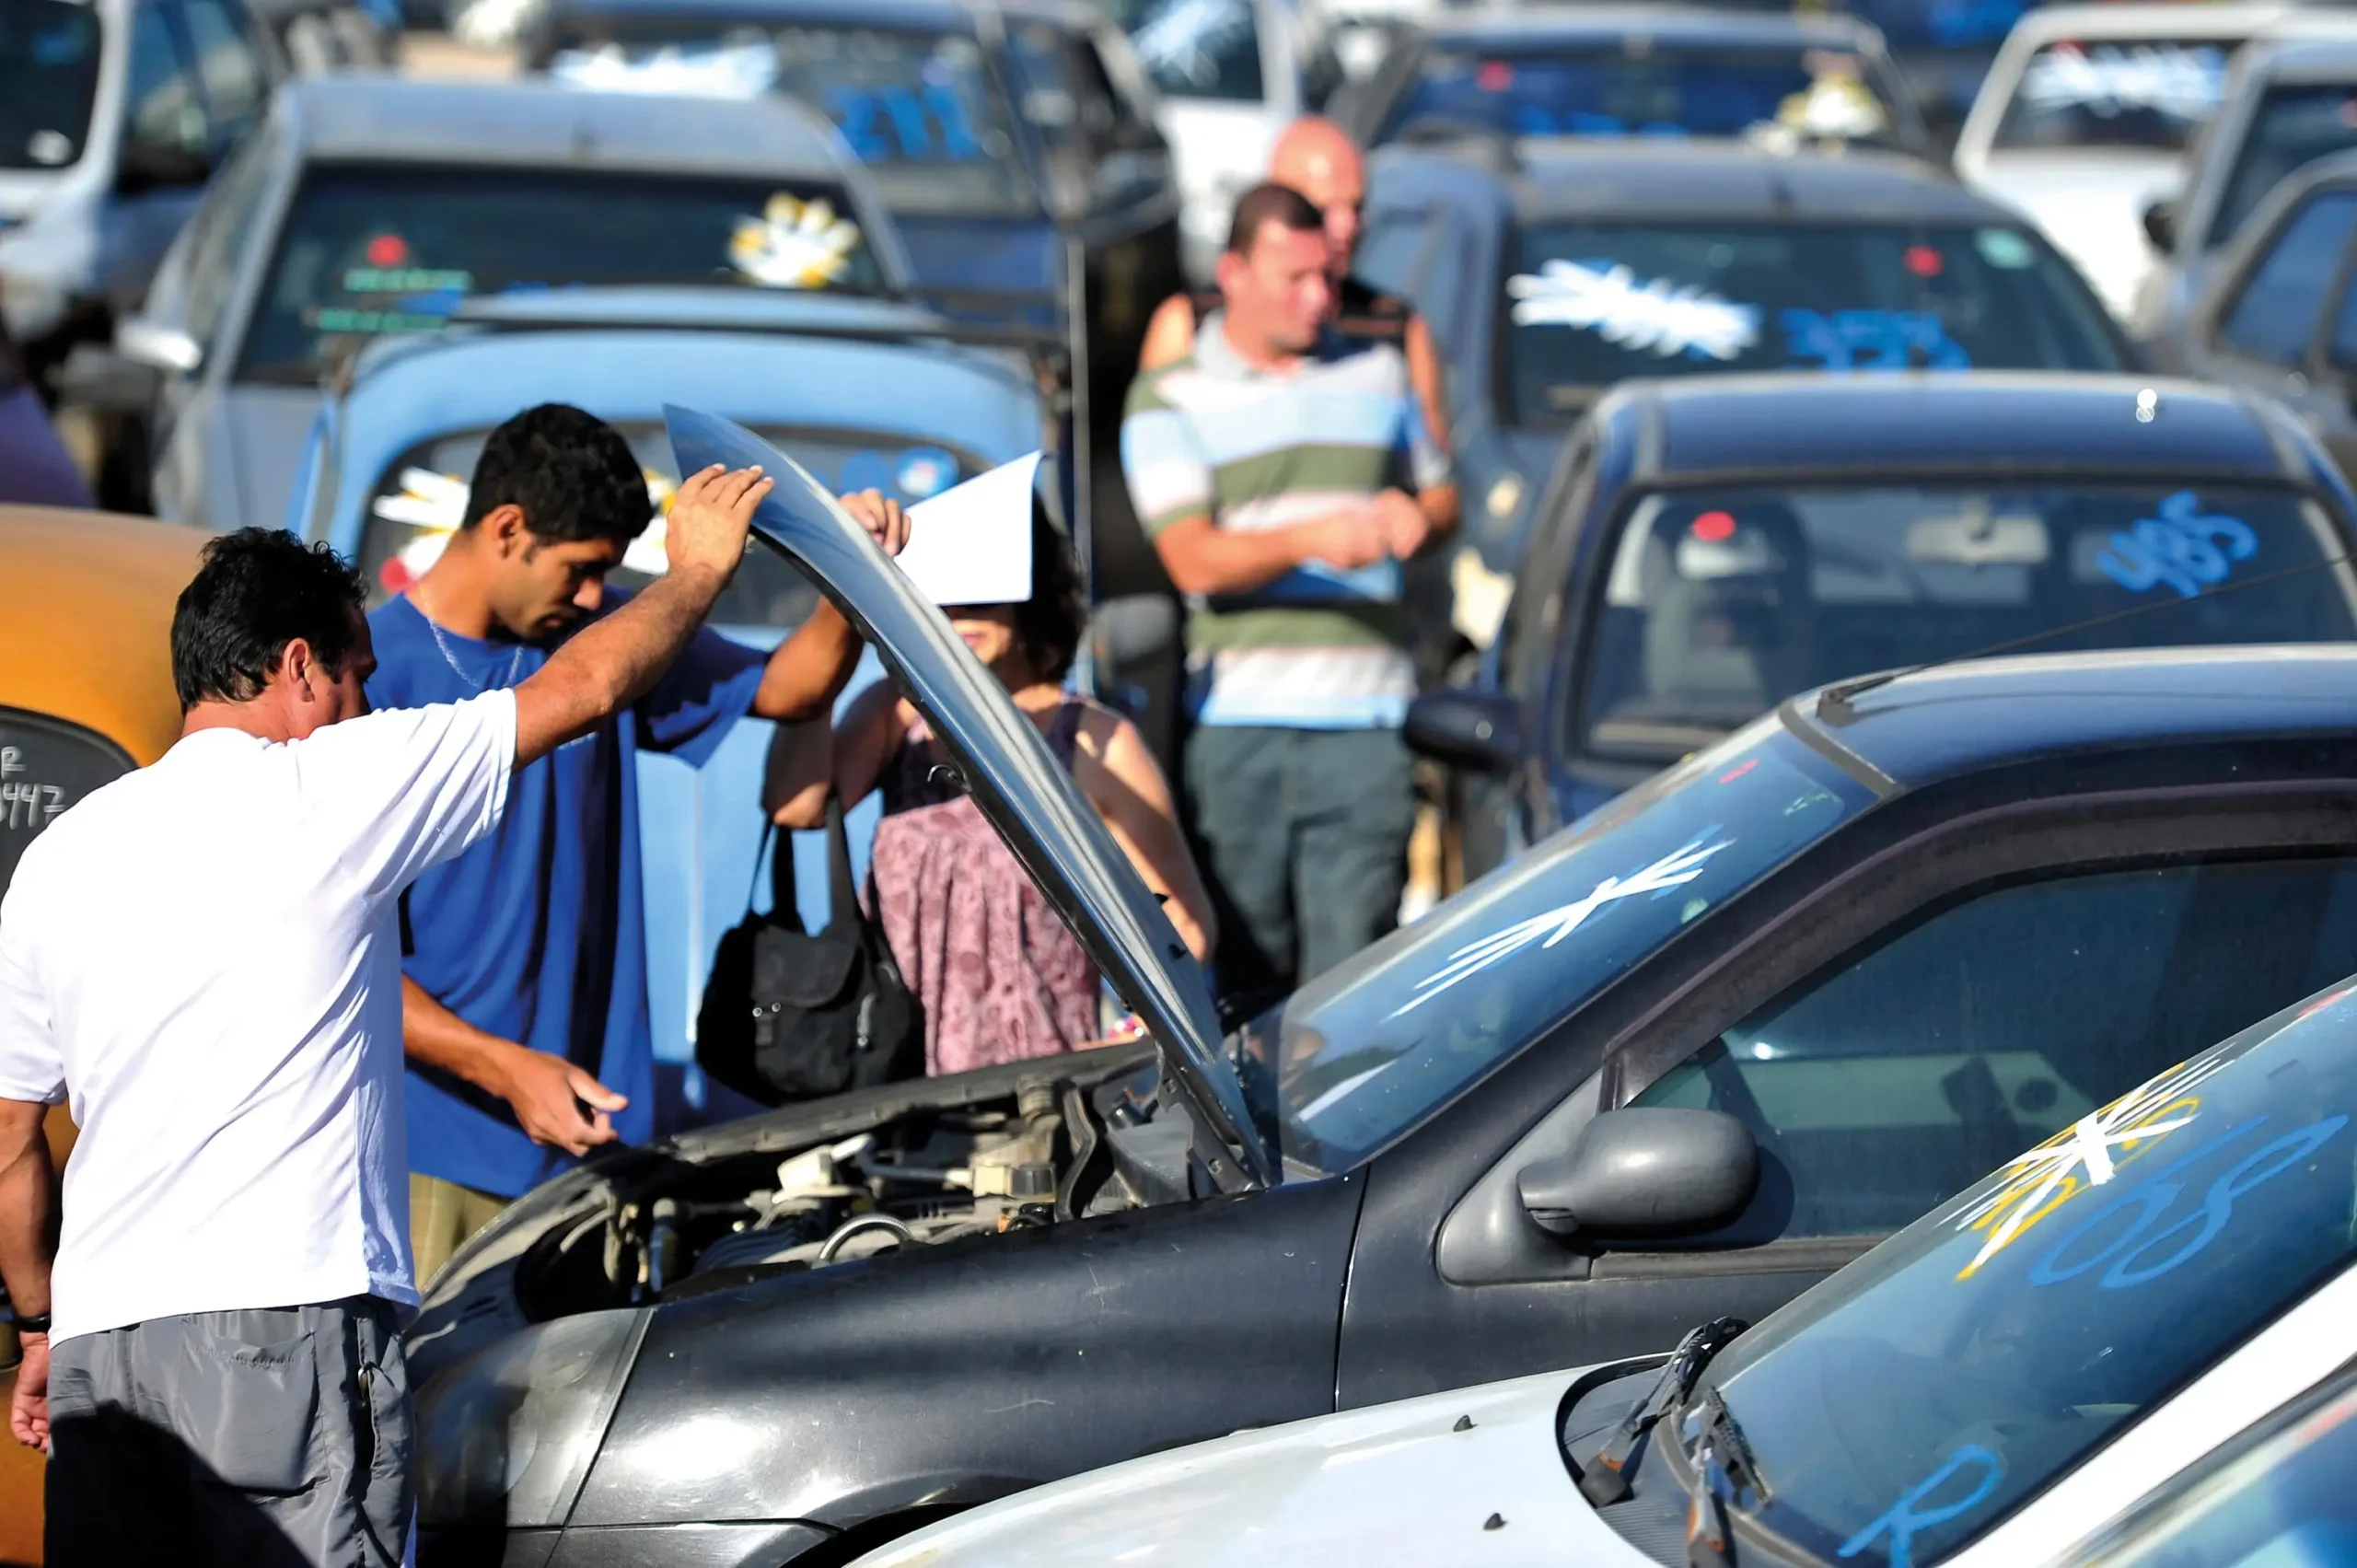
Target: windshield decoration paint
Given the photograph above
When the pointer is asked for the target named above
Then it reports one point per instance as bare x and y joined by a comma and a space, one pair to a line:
794, 244
1657, 317
1871, 340
1907, 1517
2051, 1174
1672, 870
2109, 80
886, 123
700, 70
2137, 1257
2184, 548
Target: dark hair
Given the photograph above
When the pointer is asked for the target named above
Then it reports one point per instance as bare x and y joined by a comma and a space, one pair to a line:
1271, 202
571, 472
1050, 623
257, 590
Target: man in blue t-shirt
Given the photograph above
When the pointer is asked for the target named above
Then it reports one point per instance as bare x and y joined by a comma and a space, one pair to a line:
524, 988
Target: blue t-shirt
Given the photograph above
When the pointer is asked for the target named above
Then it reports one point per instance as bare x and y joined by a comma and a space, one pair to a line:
538, 934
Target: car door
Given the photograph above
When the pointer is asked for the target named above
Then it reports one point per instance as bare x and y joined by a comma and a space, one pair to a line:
2266, 324
1923, 1011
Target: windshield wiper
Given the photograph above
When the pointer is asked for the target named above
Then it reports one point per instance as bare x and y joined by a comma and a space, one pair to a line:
1602, 1481
1726, 1474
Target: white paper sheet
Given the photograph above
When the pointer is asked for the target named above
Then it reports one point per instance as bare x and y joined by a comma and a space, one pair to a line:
972, 544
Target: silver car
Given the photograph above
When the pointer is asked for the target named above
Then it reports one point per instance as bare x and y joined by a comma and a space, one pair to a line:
369, 205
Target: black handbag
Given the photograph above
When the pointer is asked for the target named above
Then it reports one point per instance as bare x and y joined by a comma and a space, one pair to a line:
791, 1016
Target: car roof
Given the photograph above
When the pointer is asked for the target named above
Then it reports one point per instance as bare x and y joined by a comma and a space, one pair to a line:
87, 598
2163, 20
2332, 59
1671, 24
1958, 718
1593, 177
1807, 423
534, 122
916, 16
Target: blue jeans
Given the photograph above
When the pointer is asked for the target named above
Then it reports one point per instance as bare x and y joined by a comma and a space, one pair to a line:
1306, 839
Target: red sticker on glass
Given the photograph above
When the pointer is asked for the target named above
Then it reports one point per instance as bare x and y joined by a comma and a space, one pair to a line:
1714, 528
1924, 262
1739, 770
1494, 76
387, 250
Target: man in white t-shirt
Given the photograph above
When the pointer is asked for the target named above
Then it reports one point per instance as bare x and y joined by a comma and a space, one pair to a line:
205, 956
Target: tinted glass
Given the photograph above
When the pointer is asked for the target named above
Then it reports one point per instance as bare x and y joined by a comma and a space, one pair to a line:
1906, 1404
2293, 126
1723, 602
1206, 49
422, 496
374, 249
1663, 90
45, 767
2150, 93
161, 106
1881, 1088
2274, 317
225, 232
49, 73
226, 65
1946, 24
1590, 304
1367, 1049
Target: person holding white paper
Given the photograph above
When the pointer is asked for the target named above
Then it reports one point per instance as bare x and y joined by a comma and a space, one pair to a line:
1001, 976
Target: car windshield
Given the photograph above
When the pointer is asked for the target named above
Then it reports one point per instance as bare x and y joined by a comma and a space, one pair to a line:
1940, 24
920, 108
1368, 1049
370, 249
2151, 93
1665, 90
1722, 602
1196, 49
48, 75
2293, 126
1908, 1403
422, 499
1593, 303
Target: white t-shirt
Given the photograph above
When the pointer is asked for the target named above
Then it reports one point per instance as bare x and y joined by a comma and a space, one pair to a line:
205, 956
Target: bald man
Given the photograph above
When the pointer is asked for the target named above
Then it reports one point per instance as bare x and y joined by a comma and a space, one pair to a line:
1317, 158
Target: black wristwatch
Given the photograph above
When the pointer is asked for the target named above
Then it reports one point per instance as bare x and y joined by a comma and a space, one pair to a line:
32, 1322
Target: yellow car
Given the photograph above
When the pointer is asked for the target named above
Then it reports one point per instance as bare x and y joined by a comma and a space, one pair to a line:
85, 695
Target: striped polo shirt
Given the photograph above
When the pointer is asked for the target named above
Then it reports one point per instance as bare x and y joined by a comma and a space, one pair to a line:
1317, 648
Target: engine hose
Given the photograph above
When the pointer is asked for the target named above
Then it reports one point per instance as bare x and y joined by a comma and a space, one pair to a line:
853, 1226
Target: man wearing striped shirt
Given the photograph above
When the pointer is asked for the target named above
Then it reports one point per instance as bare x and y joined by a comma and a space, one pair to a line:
1277, 467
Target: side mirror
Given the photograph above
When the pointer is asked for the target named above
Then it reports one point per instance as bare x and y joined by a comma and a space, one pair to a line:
1643, 1173
2160, 224
1465, 728
158, 346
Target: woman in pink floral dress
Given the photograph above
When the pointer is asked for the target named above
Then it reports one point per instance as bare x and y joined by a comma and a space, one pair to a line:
1001, 976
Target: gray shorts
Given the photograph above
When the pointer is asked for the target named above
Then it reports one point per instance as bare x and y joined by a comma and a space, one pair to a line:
277, 1437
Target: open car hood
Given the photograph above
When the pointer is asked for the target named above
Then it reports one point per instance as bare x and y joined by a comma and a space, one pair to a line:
1016, 780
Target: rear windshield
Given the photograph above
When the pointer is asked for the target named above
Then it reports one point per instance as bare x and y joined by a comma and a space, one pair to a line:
920, 108
2293, 126
376, 248
1617, 90
49, 73
422, 499
1590, 304
2151, 93
1723, 602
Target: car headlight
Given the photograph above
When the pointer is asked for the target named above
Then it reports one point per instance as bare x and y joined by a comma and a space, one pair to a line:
506, 1437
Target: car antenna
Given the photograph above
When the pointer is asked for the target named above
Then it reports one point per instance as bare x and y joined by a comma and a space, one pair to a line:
1837, 697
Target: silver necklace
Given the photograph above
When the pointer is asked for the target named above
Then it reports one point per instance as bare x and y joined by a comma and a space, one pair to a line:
514, 661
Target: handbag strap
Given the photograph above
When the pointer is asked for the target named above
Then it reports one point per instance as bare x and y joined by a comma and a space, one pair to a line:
842, 895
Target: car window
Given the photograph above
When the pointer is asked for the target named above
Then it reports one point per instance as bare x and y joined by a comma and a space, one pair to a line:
421, 499
2293, 125
162, 109
227, 65
2153, 93
225, 229
367, 249
1721, 602
1591, 302
1666, 90
1881, 1088
2274, 315
49, 78
1197, 48
1913, 1399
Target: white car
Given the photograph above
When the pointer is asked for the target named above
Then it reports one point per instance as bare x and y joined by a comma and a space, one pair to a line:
2074, 1359
2085, 117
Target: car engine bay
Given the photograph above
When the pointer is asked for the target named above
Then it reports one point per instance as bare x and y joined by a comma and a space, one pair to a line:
1053, 1149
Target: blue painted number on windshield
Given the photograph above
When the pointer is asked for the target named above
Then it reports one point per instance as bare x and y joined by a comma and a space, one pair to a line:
1871, 340
2140, 1254
889, 124
1905, 1518
2183, 548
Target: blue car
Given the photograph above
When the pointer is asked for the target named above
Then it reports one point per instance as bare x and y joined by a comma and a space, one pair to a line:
1551, 270
852, 390
1709, 548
